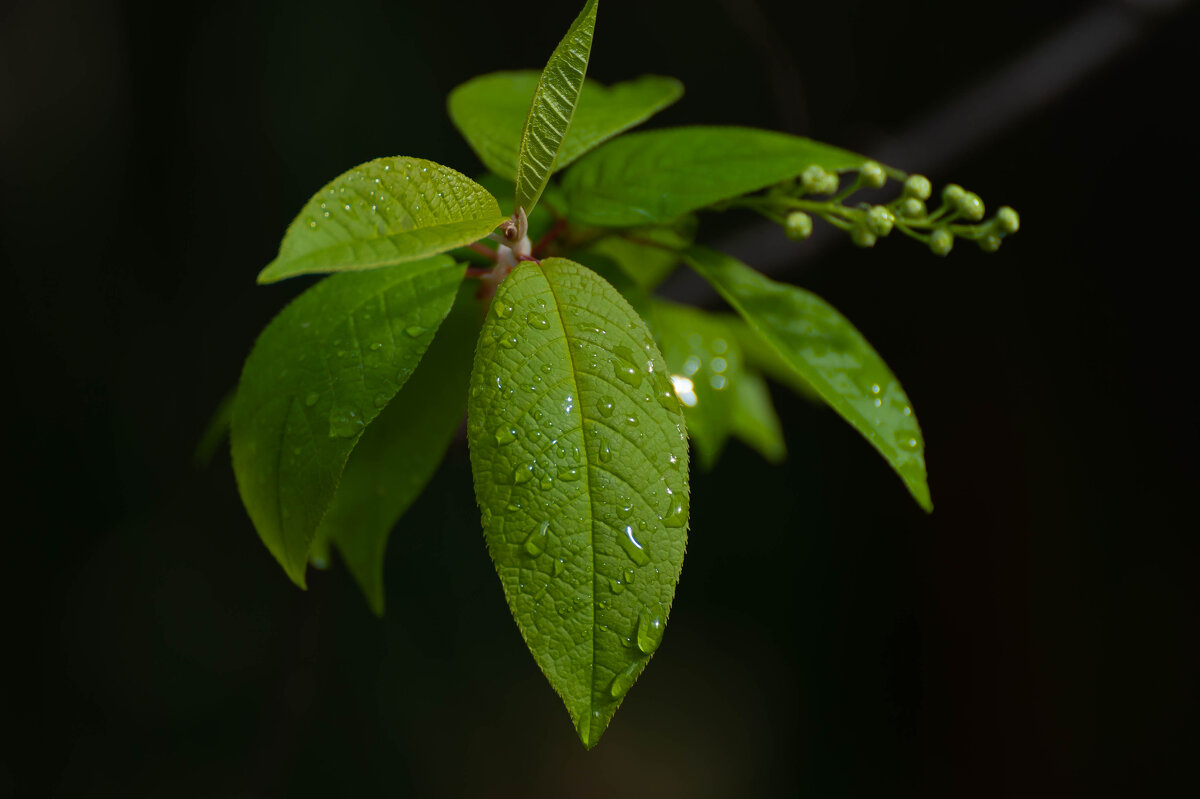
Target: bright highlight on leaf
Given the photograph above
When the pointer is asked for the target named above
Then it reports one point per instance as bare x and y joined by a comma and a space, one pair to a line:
581, 473
401, 450
317, 376
552, 108
657, 176
490, 112
824, 348
381, 213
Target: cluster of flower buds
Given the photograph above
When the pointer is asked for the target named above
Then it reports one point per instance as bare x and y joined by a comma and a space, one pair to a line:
960, 214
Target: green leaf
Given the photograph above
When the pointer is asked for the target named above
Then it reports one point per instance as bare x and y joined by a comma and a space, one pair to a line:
648, 254
384, 212
655, 177
705, 363
318, 375
490, 113
401, 450
553, 105
754, 419
215, 432
581, 471
821, 345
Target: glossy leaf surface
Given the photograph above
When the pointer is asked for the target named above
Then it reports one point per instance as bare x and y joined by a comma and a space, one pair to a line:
318, 375
581, 472
705, 363
822, 346
552, 108
401, 450
657, 176
490, 113
381, 213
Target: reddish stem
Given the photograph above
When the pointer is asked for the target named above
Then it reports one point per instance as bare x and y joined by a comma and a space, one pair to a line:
478, 271
483, 250
550, 236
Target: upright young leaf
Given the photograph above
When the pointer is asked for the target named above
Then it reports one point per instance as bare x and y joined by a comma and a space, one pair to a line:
553, 106
822, 346
581, 471
381, 213
490, 113
318, 375
654, 177
401, 450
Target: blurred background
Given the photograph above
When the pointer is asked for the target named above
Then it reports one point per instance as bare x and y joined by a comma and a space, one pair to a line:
1030, 638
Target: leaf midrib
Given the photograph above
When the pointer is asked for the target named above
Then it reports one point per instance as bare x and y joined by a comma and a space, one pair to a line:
587, 452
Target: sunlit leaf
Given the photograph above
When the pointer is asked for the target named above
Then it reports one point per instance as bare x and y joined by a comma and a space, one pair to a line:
581, 471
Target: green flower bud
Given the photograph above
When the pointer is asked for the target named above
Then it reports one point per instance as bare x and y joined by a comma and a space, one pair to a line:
912, 208
1006, 220
861, 236
815, 180
798, 226
970, 206
917, 186
872, 175
989, 243
941, 242
879, 220
953, 194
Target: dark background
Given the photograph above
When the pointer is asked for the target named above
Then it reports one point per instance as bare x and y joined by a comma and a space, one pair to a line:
1030, 638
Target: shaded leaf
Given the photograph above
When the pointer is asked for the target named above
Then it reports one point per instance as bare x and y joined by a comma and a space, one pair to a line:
490, 113
319, 373
401, 450
649, 254
580, 463
657, 176
552, 108
381, 213
754, 421
822, 346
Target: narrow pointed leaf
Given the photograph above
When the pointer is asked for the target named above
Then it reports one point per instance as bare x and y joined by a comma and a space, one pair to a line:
580, 462
754, 421
552, 108
401, 450
654, 177
705, 363
384, 212
490, 113
317, 376
822, 346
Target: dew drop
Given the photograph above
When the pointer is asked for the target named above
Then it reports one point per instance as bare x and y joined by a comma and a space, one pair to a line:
605, 451
345, 423
626, 373
381, 400
535, 542
677, 513
414, 330
506, 435
568, 475
615, 585
523, 474
377, 346
649, 632
624, 681
606, 406
508, 342
632, 547
546, 482
503, 310
560, 566
311, 399
631, 420
625, 509
537, 321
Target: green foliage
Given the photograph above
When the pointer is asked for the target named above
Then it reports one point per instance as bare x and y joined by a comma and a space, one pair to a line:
381, 213
580, 463
489, 111
656, 177
582, 381
552, 108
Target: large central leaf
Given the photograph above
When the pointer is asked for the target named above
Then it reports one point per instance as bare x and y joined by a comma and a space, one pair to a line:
655, 177
581, 471
317, 376
381, 213
490, 113
552, 108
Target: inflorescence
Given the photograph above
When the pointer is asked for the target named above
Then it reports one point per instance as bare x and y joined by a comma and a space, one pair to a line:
960, 214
